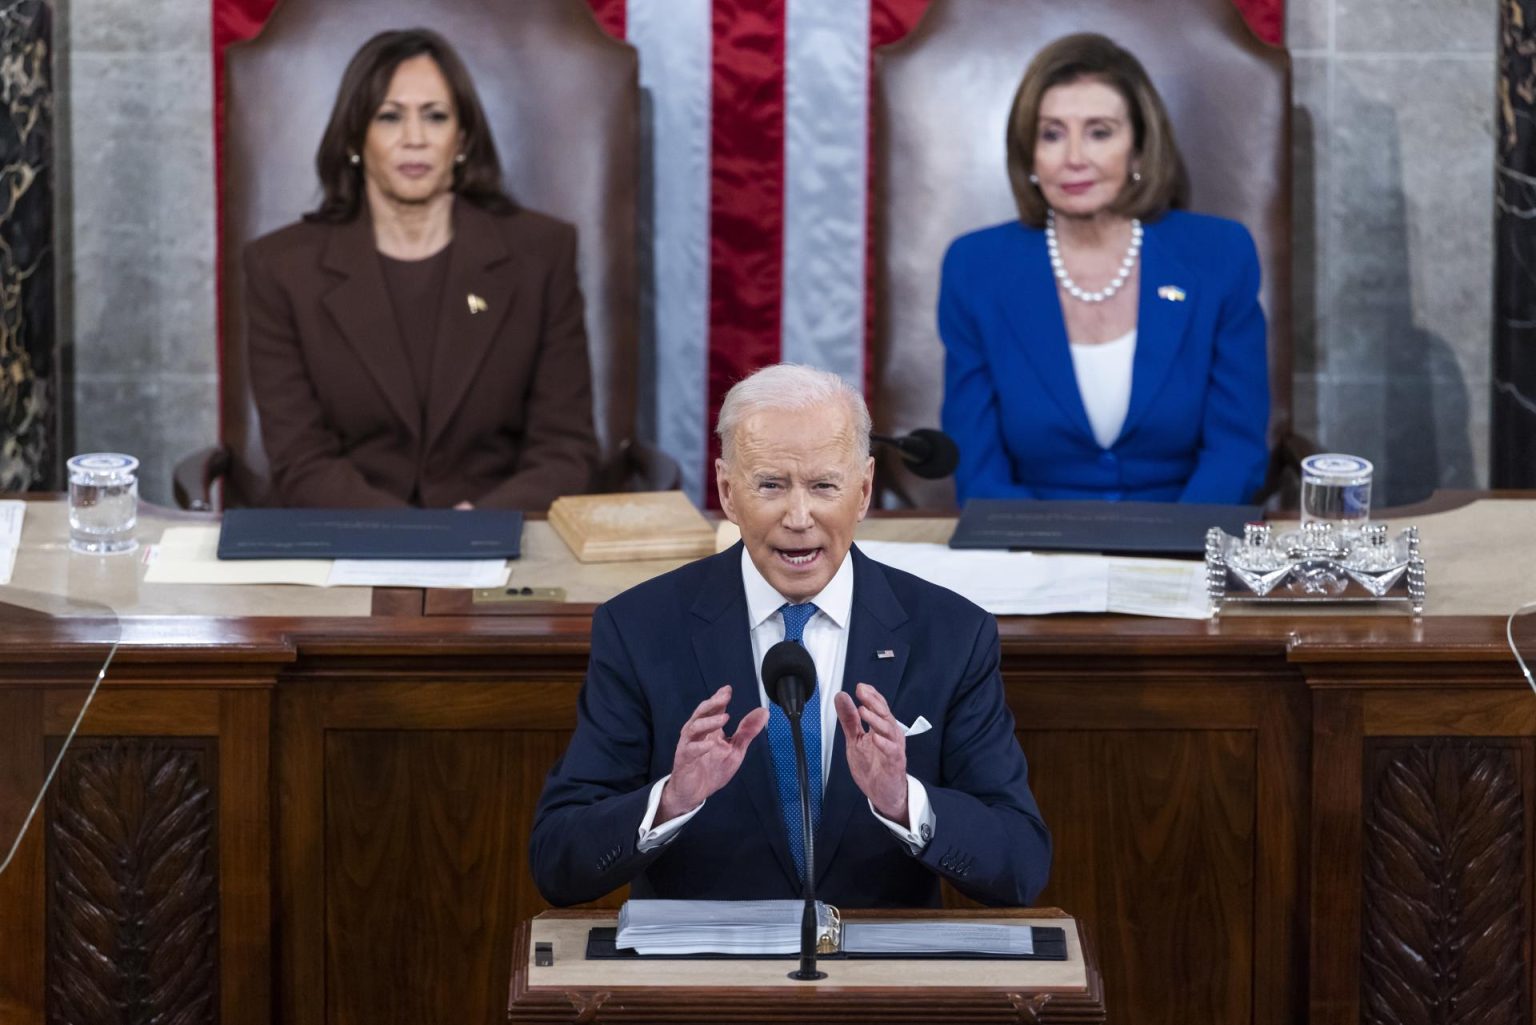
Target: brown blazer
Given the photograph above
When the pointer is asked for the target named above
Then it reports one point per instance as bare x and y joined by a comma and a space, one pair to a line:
509, 412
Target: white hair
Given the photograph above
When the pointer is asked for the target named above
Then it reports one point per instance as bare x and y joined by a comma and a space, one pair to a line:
790, 386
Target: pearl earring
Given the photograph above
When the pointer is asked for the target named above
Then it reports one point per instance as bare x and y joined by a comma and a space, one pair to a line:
354, 159
1135, 176
459, 159
1034, 179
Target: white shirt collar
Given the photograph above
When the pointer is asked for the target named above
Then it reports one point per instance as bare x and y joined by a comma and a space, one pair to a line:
835, 600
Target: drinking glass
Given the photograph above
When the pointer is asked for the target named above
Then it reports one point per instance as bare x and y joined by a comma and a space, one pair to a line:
103, 503
1336, 489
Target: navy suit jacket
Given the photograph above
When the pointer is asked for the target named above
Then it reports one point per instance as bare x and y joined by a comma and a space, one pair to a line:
661, 648
1199, 412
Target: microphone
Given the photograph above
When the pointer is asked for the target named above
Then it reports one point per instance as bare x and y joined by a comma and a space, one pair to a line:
928, 453
789, 677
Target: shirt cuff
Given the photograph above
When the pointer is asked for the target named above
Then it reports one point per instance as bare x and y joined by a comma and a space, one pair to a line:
919, 811
653, 836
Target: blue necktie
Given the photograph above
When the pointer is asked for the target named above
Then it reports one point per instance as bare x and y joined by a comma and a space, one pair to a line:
781, 741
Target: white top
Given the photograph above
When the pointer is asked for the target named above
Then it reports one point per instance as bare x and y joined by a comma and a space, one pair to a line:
826, 638
1104, 381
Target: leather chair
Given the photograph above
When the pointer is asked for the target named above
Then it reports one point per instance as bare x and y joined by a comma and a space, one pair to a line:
563, 100
941, 107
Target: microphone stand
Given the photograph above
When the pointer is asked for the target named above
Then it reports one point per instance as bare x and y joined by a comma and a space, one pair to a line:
807, 971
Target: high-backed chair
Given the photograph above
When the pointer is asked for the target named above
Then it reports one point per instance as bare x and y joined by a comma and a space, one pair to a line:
563, 100
942, 96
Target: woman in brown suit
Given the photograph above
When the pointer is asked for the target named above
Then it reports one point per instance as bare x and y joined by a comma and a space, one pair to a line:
419, 338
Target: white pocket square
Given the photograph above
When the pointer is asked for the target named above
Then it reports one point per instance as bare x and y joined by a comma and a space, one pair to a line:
920, 726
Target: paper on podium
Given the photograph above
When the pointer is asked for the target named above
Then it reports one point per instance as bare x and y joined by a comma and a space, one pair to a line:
754, 927
1026, 584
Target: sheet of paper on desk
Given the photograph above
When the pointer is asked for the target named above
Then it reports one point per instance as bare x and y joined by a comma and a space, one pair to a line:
1025, 584
929, 937
11, 515
190, 555
418, 573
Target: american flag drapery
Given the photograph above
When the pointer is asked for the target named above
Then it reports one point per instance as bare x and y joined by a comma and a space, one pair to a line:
760, 215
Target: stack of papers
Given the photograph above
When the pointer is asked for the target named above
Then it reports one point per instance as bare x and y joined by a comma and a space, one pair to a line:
1027, 584
931, 937
189, 555
716, 926
11, 513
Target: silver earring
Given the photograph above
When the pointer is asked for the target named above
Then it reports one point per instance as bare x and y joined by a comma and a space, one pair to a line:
1034, 179
1135, 176
459, 159
354, 159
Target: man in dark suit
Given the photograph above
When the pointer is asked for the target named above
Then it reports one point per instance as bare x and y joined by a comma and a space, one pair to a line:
923, 776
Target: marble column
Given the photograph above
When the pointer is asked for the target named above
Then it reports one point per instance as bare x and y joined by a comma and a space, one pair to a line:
29, 364
1513, 452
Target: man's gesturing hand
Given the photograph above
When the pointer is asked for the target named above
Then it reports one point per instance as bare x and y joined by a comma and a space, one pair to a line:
877, 756
706, 758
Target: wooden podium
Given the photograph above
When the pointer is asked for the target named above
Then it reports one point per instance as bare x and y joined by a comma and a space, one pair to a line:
745, 992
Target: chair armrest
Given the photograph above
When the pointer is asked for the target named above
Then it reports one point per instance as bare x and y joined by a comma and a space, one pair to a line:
642, 466
194, 476
1282, 485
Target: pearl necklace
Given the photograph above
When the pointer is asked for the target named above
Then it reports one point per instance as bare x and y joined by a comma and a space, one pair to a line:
1071, 287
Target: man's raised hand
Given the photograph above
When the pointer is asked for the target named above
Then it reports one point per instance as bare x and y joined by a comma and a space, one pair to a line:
706, 758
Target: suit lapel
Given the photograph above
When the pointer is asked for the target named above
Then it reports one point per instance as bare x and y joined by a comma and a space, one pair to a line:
722, 644
1034, 313
477, 296
1161, 319
361, 307
875, 628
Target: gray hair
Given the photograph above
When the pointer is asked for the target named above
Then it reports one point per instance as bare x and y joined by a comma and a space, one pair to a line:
790, 386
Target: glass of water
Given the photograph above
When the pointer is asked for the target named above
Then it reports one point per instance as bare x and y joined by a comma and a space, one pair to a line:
103, 503
1336, 489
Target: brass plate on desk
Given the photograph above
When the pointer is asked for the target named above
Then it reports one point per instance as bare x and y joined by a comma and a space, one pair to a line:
484, 595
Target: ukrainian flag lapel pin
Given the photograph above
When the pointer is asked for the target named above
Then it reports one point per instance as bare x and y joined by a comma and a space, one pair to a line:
1173, 293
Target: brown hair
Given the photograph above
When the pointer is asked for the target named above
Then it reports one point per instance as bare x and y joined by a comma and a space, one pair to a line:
364, 85
1164, 182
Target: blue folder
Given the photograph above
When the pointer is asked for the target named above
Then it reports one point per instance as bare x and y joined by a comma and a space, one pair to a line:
1124, 528
371, 534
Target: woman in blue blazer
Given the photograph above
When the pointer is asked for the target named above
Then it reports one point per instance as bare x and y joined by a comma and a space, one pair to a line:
1105, 345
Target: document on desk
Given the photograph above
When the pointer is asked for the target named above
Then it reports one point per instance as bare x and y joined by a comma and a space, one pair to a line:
929, 937
1028, 584
11, 514
418, 573
189, 555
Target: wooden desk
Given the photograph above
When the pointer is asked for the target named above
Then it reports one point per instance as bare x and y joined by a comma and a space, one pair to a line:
752, 991
1259, 818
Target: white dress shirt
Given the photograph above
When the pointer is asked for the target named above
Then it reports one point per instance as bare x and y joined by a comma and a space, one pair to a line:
1104, 381
826, 639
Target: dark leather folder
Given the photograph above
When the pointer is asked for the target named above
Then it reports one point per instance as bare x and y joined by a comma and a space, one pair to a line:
1124, 528
371, 534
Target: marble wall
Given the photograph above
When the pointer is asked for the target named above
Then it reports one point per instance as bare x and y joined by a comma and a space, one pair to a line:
29, 365
1394, 146
1394, 150
142, 231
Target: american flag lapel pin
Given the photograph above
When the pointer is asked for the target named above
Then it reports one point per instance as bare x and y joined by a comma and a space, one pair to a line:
885, 653
1173, 293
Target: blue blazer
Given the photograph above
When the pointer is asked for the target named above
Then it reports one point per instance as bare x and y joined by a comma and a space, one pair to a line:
661, 648
1195, 430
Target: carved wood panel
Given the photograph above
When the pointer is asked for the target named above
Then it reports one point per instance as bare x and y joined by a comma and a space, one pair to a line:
133, 885
1444, 926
